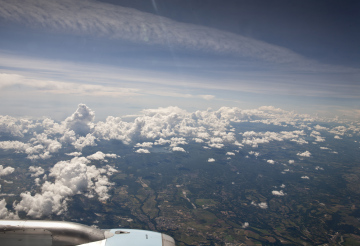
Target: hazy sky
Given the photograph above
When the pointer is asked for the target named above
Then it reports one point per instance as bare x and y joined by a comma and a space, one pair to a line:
121, 56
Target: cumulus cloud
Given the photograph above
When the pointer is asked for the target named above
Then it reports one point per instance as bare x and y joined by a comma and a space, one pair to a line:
82, 142
5, 214
304, 154
245, 225
317, 136
198, 140
178, 149
144, 145
230, 153
270, 161
211, 160
100, 156
305, 177
321, 128
278, 193
71, 177
255, 138
36, 171
6, 171
161, 141
262, 205
74, 154
81, 121
142, 151
14, 126
256, 154
291, 161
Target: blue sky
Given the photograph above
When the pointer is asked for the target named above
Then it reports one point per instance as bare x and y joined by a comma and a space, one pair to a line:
119, 57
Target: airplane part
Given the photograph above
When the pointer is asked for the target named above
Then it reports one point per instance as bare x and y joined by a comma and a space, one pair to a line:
60, 233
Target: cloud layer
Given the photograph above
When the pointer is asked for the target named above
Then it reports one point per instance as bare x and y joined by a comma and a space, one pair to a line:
171, 128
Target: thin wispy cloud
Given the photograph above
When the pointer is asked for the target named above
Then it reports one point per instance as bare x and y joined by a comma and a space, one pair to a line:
87, 17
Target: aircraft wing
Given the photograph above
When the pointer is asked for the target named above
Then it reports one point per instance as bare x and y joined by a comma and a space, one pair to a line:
60, 233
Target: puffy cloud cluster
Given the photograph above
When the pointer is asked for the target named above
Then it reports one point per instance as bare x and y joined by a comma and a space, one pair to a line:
36, 171
81, 120
278, 193
317, 136
70, 177
16, 127
262, 205
6, 171
304, 154
255, 138
170, 127
256, 154
5, 213
178, 149
142, 151
100, 156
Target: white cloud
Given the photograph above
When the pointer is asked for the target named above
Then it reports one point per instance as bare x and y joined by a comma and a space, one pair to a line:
270, 161
305, 177
304, 154
211, 160
161, 141
321, 128
278, 193
178, 149
207, 97
255, 138
113, 21
256, 154
142, 151
100, 156
36, 171
81, 121
198, 140
74, 154
82, 142
262, 205
230, 153
6, 171
144, 145
245, 225
339, 130
71, 177
5, 214
291, 161
337, 137
60, 87
176, 141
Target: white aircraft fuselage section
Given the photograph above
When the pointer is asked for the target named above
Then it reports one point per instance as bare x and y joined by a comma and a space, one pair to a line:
60, 233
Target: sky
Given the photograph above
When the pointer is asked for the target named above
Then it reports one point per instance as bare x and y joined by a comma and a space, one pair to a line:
120, 56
